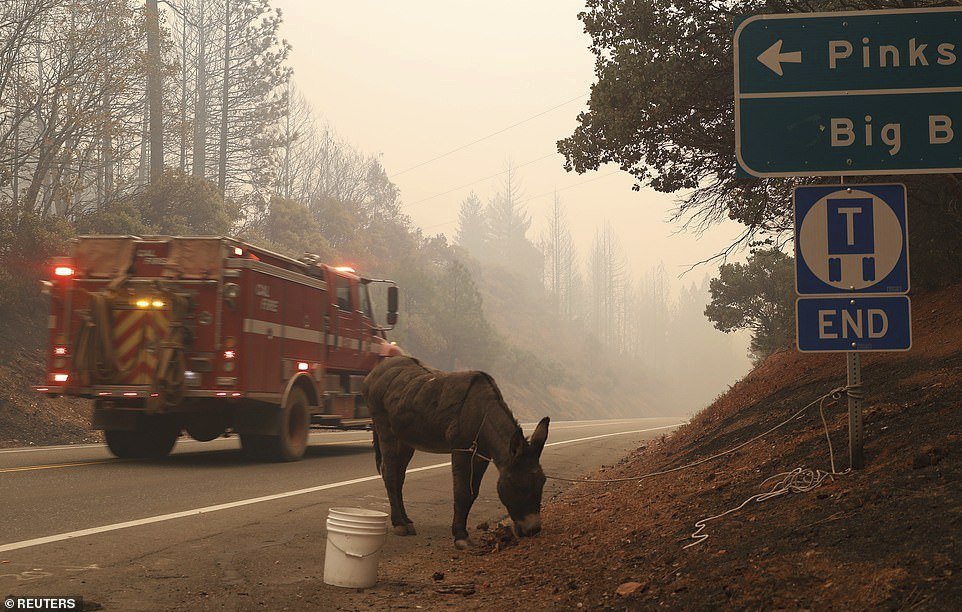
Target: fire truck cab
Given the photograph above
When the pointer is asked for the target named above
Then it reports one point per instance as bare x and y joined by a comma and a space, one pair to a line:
210, 335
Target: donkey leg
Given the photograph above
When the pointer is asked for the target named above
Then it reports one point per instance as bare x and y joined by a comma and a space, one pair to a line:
405, 453
393, 481
467, 482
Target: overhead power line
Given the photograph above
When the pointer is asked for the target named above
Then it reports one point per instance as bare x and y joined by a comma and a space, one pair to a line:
540, 195
480, 180
491, 135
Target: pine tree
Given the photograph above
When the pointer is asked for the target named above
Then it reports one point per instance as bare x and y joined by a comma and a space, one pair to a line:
508, 222
252, 80
472, 226
508, 219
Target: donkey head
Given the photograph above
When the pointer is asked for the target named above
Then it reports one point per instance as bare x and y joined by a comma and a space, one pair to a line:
521, 482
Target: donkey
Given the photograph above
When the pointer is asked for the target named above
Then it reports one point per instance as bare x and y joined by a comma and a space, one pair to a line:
462, 413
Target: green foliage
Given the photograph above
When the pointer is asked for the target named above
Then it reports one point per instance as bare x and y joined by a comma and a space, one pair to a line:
472, 226
291, 229
120, 218
466, 334
758, 295
178, 204
26, 243
663, 109
337, 219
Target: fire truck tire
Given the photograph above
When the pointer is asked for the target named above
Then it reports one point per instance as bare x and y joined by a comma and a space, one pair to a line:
294, 423
142, 444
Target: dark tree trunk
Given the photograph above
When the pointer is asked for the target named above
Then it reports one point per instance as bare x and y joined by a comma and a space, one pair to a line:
225, 103
200, 107
155, 92
183, 94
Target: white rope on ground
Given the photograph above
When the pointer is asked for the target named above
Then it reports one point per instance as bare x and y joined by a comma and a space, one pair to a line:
799, 480
834, 393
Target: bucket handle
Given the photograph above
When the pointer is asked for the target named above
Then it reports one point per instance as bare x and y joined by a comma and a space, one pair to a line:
354, 554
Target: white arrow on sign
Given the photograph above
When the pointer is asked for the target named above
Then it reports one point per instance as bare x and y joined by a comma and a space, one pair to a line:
773, 58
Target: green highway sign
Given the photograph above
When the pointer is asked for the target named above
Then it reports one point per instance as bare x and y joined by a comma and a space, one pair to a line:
849, 93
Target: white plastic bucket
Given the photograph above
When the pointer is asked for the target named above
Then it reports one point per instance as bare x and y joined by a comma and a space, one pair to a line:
333, 522
359, 515
355, 537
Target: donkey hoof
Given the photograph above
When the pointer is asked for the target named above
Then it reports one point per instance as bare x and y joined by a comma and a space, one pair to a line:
405, 530
463, 544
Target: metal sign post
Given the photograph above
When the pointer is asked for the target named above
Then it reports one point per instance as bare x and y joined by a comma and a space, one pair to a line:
856, 458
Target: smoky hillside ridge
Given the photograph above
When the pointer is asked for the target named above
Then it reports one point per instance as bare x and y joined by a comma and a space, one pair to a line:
640, 335
213, 137
885, 537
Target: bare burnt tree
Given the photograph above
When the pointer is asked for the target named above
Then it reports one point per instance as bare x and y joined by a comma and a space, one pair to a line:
560, 259
607, 270
75, 84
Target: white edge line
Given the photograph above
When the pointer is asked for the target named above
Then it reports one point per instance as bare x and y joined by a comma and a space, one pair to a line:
256, 500
588, 423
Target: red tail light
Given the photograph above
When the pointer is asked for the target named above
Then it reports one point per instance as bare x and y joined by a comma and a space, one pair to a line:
63, 271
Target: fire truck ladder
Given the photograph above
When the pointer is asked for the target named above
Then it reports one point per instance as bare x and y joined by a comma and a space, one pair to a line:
96, 362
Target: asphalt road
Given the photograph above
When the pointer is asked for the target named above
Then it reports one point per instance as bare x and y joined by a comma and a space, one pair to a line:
148, 535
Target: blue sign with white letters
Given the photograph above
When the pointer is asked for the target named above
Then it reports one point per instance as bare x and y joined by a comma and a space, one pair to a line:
854, 323
851, 239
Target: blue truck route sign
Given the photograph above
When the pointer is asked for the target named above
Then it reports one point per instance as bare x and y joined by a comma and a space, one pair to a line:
851, 239
854, 323
849, 93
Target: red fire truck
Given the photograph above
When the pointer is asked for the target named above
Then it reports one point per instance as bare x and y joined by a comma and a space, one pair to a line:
209, 335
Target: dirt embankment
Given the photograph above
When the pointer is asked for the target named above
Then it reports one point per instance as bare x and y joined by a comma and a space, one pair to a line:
26, 417
888, 536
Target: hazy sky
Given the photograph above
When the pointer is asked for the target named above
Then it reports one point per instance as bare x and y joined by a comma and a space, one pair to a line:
413, 80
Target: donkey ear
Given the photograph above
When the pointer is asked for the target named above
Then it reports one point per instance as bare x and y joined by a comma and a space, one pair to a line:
517, 444
539, 437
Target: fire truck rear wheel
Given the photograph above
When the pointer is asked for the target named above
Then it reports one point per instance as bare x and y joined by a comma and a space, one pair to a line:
294, 422
151, 443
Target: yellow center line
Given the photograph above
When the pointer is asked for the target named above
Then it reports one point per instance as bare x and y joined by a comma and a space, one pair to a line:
53, 466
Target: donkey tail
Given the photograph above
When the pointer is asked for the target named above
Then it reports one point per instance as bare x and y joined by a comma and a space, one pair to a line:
377, 451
